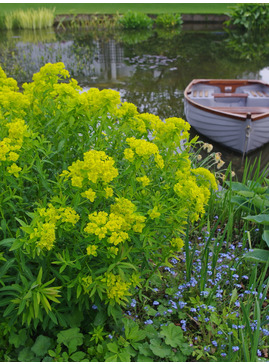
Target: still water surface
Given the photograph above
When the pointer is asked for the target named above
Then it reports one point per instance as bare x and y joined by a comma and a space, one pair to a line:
150, 69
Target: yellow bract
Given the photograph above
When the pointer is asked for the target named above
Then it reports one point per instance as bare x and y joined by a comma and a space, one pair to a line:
143, 149
95, 167
116, 288
144, 180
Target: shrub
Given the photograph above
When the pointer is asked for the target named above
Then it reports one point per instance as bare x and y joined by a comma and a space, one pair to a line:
95, 197
135, 20
168, 20
249, 16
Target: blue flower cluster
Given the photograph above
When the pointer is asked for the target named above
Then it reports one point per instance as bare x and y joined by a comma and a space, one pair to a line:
191, 307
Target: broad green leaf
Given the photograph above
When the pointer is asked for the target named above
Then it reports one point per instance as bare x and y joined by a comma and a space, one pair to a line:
265, 237
186, 349
259, 219
26, 355
41, 345
151, 332
260, 202
173, 335
78, 356
18, 339
258, 255
124, 355
159, 348
111, 358
71, 338
113, 347
246, 193
144, 349
237, 186
143, 358
178, 357
47, 359
151, 311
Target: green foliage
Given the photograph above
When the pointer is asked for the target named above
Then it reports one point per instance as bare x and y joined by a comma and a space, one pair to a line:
150, 344
249, 16
168, 20
135, 20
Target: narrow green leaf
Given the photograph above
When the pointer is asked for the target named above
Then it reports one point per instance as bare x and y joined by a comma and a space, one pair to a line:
9, 309
7, 242
17, 244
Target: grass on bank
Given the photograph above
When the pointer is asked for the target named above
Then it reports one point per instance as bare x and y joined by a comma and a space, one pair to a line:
112, 8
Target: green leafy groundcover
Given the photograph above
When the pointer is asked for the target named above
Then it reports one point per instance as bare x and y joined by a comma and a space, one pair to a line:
95, 198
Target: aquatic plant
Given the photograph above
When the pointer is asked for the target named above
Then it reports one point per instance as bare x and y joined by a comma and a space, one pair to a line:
168, 20
30, 19
135, 20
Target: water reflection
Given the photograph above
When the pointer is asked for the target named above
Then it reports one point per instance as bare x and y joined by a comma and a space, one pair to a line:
150, 69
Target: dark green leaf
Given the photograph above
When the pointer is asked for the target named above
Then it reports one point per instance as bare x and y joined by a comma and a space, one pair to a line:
18, 340
78, 356
159, 348
26, 355
173, 335
41, 345
144, 349
71, 338
143, 358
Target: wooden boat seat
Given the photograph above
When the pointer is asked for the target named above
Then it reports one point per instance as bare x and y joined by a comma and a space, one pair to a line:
243, 109
241, 95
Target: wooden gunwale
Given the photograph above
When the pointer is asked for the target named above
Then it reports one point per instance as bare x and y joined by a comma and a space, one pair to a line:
222, 83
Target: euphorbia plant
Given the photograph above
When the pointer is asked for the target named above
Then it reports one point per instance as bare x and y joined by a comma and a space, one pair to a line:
116, 189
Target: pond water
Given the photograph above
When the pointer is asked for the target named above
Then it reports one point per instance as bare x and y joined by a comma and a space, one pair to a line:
150, 69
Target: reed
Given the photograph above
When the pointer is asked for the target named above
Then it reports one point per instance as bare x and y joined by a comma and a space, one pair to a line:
30, 19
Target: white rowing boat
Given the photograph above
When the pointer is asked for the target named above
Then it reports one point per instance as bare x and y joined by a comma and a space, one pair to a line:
231, 112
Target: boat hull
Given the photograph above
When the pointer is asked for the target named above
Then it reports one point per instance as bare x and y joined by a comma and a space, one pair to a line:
240, 132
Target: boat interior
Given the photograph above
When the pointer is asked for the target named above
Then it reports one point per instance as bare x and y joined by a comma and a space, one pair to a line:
234, 98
